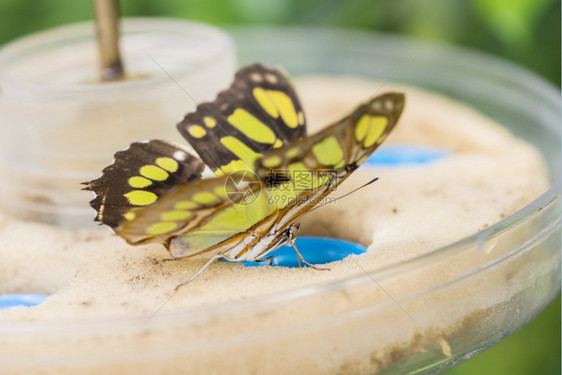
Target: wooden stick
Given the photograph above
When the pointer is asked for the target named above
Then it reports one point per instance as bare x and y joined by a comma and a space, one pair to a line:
107, 25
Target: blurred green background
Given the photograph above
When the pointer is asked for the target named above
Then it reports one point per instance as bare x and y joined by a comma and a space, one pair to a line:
526, 32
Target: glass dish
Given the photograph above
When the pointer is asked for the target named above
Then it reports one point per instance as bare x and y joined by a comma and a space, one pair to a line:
59, 126
517, 260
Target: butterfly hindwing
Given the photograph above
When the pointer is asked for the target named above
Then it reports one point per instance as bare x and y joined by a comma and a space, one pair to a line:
208, 211
139, 176
311, 167
258, 113
342, 146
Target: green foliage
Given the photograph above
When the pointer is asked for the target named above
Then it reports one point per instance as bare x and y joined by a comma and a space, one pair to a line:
512, 21
524, 31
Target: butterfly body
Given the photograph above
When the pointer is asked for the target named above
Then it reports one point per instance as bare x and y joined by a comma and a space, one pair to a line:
268, 172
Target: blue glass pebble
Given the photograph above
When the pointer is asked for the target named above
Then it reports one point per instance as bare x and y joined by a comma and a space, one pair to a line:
316, 250
20, 300
404, 155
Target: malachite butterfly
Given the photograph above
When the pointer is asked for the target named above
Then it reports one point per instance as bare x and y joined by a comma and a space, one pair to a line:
267, 171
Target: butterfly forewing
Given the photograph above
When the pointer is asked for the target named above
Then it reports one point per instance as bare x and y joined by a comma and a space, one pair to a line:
140, 175
300, 174
258, 113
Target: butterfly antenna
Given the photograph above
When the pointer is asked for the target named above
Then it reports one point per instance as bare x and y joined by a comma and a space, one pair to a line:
345, 195
390, 77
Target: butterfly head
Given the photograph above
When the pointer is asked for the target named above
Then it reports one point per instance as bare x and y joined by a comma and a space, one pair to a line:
291, 232
286, 237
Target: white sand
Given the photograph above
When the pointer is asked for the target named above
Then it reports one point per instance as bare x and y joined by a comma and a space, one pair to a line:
410, 211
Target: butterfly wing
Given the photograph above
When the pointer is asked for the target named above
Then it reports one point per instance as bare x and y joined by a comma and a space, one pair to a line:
258, 113
309, 168
198, 215
303, 172
139, 176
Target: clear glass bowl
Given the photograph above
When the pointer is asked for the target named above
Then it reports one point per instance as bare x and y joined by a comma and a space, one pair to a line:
515, 261
60, 126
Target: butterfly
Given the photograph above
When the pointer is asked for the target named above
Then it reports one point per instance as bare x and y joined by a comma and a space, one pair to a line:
267, 171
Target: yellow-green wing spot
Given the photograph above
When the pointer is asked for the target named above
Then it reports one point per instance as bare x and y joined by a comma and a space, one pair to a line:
251, 127
206, 198
197, 131
186, 205
147, 175
378, 124
285, 107
265, 102
271, 161
389, 105
222, 191
154, 173
209, 122
176, 215
161, 228
277, 103
292, 152
256, 77
361, 127
167, 164
243, 152
369, 129
328, 151
141, 197
233, 166
271, 78
139, 182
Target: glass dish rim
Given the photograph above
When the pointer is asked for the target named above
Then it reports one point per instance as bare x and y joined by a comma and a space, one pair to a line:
84, 30
499, 67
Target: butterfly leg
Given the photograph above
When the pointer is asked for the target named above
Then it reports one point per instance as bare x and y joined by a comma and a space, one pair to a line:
268, 259
301, 259
211, 260
291, 234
